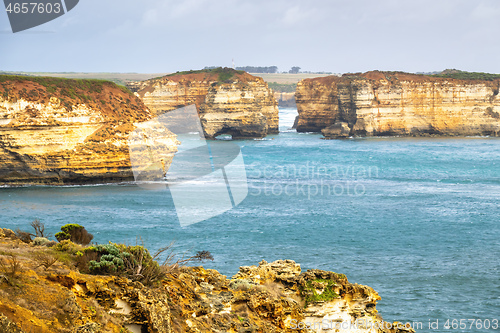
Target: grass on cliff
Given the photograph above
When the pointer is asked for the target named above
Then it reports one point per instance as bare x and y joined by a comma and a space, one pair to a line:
283, 87
73, 249
224, 73
72, 88
463, 75
310, 291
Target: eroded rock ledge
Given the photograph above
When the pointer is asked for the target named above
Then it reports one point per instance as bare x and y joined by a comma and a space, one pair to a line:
271, 297
228, 101
394, 103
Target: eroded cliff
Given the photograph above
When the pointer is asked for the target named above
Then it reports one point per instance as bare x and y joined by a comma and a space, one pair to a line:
393, 103
272, 297
59, 131
228, 101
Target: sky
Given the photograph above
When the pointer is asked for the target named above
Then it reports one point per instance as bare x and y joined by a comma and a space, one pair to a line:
339, 36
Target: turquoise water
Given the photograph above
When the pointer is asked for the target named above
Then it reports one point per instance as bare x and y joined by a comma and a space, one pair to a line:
416, 219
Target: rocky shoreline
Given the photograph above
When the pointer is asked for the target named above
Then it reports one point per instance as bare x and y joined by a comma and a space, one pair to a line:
62, 131
270, 297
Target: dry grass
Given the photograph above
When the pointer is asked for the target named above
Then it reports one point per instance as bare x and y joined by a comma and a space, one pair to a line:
10, 267
45, 259
150, 269
173, 261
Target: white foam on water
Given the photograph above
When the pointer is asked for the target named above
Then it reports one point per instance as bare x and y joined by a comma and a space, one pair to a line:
287, 118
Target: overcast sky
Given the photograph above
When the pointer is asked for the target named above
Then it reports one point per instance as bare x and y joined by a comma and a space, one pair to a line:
153, 36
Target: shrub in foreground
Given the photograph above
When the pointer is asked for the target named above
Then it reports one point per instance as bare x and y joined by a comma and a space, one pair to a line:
133, 262
74, 232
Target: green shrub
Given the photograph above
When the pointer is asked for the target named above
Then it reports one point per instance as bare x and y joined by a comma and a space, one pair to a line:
133, 262
60, 236
310, 294
76, 233
67, 246
110, 259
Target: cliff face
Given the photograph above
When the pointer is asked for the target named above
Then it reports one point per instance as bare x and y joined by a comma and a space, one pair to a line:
228, 101
273, 297
383, 103
57, 131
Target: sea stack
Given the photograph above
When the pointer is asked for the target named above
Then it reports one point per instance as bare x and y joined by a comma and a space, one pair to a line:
228, 101
398, 104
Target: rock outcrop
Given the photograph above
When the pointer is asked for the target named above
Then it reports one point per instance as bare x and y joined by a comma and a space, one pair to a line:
228, 101
272, 297
337, 131
393, 103
59, 131
285, 99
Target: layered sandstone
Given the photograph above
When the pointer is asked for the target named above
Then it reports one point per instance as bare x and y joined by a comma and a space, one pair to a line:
272, 297
228, 101
58, 131
393, 103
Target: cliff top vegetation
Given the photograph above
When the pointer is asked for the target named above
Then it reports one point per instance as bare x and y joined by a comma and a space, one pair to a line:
223, 73
117, 102
463, 75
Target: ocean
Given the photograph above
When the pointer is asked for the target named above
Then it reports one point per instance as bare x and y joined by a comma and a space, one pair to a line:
417, 219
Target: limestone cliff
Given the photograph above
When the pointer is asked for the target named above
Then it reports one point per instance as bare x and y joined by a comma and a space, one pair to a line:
228, 101
393, 103
58, 131
273, 297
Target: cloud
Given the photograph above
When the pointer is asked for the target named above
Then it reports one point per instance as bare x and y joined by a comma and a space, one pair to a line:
330, 35
296, 15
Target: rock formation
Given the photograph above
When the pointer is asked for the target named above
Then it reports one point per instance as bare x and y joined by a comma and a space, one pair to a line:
58, 131
272, 297
285, 99
393, 103
228, 101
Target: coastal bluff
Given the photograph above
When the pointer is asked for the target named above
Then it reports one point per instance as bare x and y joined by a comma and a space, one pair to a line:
228, 101
62, 131
398, 104
272, 297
